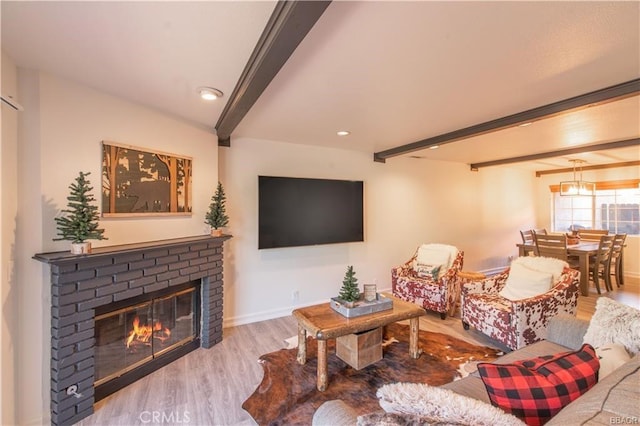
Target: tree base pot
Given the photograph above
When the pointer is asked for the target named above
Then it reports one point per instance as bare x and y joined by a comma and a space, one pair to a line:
81, 248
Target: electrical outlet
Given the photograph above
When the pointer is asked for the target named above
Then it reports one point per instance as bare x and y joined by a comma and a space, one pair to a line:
295, 295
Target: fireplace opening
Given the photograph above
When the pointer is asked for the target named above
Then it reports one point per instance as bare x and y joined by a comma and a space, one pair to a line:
141, 334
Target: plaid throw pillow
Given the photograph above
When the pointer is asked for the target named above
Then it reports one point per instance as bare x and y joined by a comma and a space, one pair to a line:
537, 389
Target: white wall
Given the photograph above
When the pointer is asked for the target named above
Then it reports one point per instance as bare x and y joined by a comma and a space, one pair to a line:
60, 134
8, 212
632, 249
407, 202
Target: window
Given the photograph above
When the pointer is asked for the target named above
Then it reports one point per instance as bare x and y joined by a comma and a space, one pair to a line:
616, 207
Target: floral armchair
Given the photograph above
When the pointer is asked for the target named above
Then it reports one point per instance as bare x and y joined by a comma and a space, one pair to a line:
439, 293
522, 321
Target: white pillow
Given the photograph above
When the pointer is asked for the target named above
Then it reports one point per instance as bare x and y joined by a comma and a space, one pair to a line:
543, 264
611, 356
523, 282
453, 250
434, 255
441, 406
613, 322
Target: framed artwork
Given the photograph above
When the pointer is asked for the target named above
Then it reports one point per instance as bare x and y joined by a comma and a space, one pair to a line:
138, 182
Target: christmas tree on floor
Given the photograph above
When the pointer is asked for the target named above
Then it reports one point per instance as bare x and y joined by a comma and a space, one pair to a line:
350, 291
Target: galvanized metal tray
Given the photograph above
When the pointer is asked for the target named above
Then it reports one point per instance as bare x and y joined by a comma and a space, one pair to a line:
361, 307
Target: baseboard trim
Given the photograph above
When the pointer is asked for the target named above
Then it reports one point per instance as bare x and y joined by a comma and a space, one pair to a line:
256, 317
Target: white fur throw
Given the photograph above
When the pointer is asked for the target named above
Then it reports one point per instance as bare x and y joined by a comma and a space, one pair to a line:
542, 264
524, 282
613, 322
437, 405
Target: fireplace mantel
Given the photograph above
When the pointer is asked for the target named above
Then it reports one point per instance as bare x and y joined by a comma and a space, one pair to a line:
82, 283
58, 257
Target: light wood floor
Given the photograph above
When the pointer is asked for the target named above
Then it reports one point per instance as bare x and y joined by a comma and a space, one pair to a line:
208, 386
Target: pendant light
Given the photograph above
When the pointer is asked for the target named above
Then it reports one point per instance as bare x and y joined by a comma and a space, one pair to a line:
577, 187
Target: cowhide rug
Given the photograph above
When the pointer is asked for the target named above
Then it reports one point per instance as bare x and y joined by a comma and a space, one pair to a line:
287, 394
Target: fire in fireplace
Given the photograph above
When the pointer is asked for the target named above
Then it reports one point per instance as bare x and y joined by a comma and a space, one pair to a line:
147, 331
142, 334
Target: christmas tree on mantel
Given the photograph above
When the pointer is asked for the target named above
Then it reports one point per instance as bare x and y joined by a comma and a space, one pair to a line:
80, 219
217, 217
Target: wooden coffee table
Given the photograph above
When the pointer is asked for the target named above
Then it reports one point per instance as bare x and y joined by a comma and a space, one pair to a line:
323, 323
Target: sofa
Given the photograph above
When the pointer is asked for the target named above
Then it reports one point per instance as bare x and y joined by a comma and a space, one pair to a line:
614, 399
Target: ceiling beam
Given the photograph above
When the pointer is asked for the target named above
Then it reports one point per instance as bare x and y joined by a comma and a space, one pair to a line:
287, 27
596, 167
602, 96
569, 151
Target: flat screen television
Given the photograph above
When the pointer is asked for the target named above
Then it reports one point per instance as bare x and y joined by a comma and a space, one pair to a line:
301, 211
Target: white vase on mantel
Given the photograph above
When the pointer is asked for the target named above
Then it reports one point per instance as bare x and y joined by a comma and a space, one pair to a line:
81, 248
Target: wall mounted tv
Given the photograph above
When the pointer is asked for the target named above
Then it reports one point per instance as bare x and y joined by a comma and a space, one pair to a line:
301, 212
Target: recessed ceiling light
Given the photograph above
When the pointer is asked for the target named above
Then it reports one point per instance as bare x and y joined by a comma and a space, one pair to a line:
209, 93
343, 133
434, 147
528, 123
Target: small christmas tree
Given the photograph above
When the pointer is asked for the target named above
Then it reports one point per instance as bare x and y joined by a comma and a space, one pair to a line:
216, 217
350, 291
80, 222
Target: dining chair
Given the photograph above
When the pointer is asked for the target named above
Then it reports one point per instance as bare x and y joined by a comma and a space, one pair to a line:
527, 240
527, 236
616, 258
542, 231
601, 265
554, 245
592, 234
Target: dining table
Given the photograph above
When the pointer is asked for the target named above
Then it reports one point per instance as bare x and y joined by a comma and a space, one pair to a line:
583, 251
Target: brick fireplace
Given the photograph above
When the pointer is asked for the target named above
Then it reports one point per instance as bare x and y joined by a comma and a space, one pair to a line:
82, 284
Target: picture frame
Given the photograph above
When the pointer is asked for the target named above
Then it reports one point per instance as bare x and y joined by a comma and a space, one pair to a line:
140, 182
